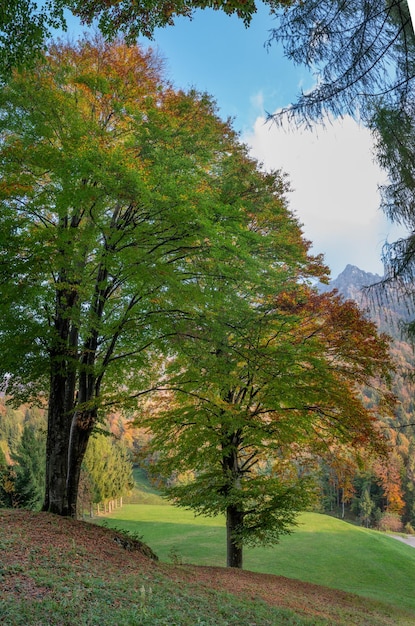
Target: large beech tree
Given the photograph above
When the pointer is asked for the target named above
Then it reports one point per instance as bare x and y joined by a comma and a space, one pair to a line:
113, 208
258, 398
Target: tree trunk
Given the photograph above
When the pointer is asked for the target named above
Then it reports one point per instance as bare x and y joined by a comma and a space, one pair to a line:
63, 367
234, 519
59, 426
81, 429
66, 447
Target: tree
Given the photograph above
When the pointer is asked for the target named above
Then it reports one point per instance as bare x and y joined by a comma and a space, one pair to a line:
366, 506
29, 467
258, 397
11, 428
409, 485
113, 210
394, 131
4, 474
336, 478
108, 468
361, 52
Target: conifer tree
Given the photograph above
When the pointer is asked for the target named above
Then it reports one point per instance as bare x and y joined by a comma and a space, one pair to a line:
30, 462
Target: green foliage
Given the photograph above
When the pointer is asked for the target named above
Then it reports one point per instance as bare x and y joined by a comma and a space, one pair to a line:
3, 461
22, 456
30, 469
108, 466
24, 28
107, 209
366, 507
362, 52
8, 497
11, 427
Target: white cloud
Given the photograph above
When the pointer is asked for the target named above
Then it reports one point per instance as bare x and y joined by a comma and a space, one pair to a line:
411, 4
335, 188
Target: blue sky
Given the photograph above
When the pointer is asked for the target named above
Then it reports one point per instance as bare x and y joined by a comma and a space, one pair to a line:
332, 170
217, 54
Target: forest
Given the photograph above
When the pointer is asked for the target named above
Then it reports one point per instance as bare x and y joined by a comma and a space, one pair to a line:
159, 299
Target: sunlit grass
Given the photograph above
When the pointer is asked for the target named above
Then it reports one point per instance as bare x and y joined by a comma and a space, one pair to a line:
322, 550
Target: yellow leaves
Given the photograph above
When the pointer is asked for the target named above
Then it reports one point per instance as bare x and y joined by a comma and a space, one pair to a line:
11, 188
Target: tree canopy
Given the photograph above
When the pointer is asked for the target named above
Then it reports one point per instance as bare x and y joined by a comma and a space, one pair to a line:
258, 397
134, 18
361, 52
25, 27
119, 195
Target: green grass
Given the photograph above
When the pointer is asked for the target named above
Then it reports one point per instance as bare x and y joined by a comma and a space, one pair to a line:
169, 530
160, 603
330, 552
196, 540
322, 550
143, 492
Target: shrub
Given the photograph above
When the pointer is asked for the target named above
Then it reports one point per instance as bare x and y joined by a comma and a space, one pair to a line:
391, 522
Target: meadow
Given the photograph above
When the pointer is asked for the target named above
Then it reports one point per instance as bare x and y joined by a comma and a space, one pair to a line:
321, 550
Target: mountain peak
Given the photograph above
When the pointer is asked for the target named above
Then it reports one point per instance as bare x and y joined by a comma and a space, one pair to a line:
351, 272
351, 282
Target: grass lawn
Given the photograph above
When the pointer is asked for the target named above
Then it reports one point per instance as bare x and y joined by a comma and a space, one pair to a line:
322, 550
330, 552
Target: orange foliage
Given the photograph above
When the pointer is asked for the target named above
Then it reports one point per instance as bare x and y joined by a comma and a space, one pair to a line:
388, 473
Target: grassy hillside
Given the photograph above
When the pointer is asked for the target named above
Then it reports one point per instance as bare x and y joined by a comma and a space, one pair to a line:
59, 572
144, 492
322, 550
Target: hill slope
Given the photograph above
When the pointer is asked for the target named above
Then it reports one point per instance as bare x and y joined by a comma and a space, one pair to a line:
57, 571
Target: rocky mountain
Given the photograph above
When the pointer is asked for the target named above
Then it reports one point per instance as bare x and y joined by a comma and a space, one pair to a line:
385, 306
351, 283
389, 310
